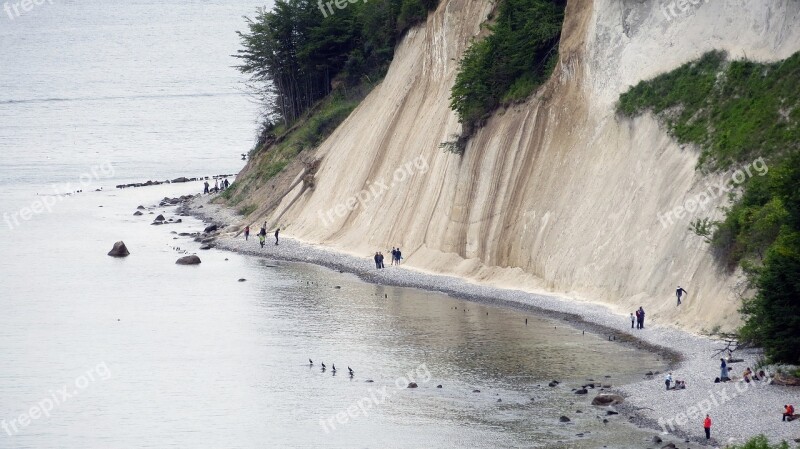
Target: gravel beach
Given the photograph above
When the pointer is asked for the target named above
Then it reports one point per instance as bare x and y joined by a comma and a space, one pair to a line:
738, 410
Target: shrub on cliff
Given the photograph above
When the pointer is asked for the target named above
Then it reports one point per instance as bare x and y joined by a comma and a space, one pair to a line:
509, 64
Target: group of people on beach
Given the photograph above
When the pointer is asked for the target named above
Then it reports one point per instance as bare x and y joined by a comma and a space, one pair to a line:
638, 318
218, 185
396, 256
262, 234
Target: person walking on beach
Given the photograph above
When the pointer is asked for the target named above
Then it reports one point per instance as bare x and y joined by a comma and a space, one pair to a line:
679, 292
377, 259
668, 380
707, 427
205, 187
246, 232
633, 319
216, 186
380, 260
641, 317
394, 255
399, 255
262, 234
723, 370
276, 235
226, 183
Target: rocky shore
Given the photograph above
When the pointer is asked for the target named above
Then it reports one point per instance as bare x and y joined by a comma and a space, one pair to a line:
738, 410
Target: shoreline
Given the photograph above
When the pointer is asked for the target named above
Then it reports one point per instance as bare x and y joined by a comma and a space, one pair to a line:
648, 404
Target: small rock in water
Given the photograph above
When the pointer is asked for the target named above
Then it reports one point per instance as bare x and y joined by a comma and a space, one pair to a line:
242, 279
412, 385
564, 419
119, 250
188, 260
439, 386
160, 218
657, 439
476, 391
338, 286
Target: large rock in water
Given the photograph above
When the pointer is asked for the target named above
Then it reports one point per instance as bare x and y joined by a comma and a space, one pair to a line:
188, 260
607, 399
119, 250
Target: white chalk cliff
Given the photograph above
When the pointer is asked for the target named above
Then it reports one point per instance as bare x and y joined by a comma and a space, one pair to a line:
557, 194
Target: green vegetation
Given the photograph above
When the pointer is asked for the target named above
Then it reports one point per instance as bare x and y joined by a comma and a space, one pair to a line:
738, 111
311, 65
297, 52
735, 110
247, 210
761, 442
509, 64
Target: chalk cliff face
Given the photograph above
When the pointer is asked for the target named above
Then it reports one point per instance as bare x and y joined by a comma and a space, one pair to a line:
557, 194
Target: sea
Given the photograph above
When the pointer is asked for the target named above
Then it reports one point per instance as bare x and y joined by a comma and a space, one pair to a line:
138, 352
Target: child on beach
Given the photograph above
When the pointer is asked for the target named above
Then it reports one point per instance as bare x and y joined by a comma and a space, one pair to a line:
261, 239
633, 320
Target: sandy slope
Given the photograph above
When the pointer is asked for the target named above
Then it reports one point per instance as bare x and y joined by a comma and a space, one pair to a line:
555, 194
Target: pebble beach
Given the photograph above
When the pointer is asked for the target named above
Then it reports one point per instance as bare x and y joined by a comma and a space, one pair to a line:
738, 410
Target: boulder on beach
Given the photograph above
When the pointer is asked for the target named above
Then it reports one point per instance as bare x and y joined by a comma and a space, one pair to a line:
119, 250
607, 399
581, 391
210, 228
160, 218
412, 385
138, 212
564, 419
188, 260
140, 207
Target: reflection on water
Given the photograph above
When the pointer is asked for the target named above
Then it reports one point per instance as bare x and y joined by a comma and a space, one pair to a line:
198, 359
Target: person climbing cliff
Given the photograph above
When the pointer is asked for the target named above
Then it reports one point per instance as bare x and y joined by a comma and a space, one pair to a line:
679, 292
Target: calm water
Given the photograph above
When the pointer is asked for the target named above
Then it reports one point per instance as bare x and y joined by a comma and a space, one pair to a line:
106, 353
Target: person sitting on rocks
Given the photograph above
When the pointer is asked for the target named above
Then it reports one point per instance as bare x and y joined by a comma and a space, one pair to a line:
680, 384
788, 413
747, 375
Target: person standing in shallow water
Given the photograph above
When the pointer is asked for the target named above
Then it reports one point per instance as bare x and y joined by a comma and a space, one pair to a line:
679, 292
